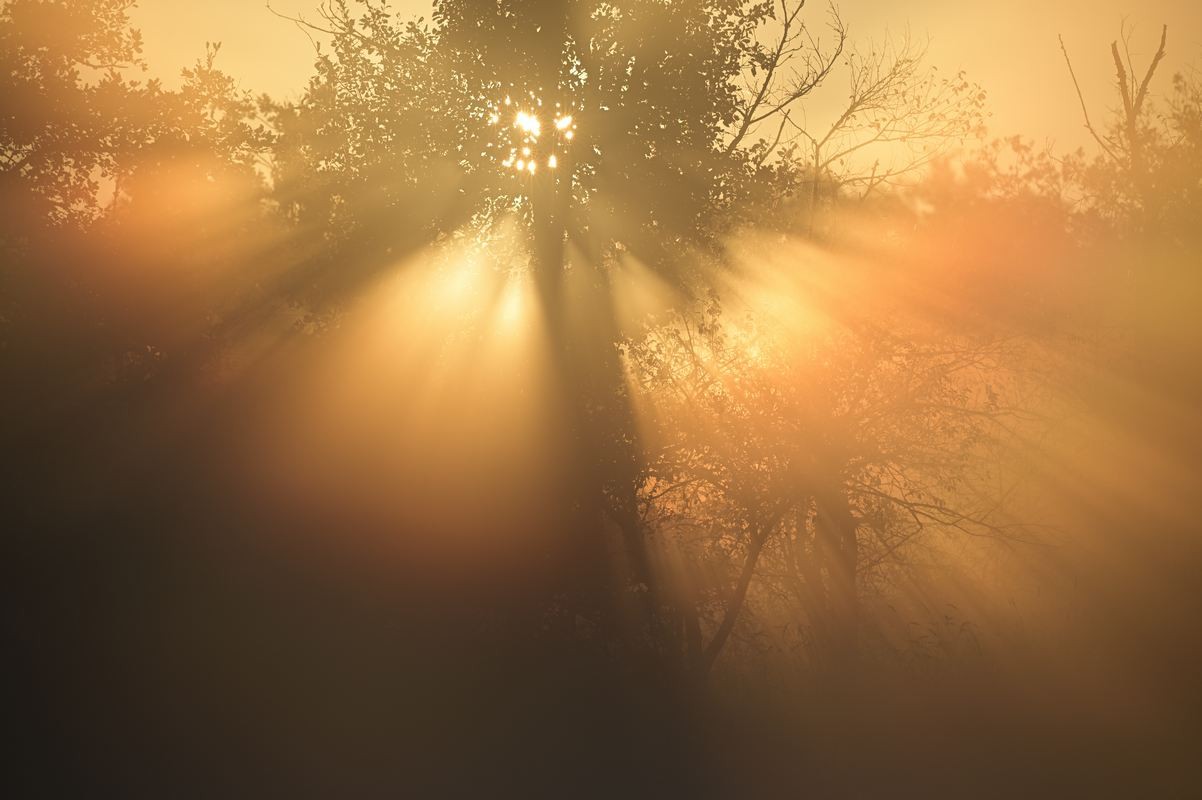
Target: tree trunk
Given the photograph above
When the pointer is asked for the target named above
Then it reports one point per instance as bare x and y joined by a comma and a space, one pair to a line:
599, 451
837, 531
735, 607
814, 189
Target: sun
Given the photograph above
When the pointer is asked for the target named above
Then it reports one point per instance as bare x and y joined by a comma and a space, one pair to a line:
528, 149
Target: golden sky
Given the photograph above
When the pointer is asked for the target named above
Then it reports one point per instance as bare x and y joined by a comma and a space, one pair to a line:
1009, 46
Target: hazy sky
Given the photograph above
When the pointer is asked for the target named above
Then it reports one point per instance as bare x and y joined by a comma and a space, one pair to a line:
1009, 46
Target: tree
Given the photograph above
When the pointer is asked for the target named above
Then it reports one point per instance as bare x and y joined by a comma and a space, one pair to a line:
632, 103
899, 113
60, 59
790, 476
127, 206
1146, 168
899, 116
646, 130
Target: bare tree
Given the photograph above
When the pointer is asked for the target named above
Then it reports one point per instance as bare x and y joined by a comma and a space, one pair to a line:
899, 116
900, 113
1131, 138
1126, 143
805, 474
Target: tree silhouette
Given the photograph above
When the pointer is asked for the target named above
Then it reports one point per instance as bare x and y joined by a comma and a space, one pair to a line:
61, 65
106, 180
1148, 149
646, 131
807, 470
645, 95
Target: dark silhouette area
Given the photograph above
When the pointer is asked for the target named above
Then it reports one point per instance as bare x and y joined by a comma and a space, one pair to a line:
547, 403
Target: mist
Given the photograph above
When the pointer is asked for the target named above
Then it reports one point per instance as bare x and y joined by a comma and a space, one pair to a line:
680, 398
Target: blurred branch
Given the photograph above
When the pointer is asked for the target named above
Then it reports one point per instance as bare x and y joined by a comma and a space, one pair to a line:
795, 43
1102, 142
338, 22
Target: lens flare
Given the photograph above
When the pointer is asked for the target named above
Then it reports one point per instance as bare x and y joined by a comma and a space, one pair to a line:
528, 124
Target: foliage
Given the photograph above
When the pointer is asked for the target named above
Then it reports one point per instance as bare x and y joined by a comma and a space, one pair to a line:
815, 468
